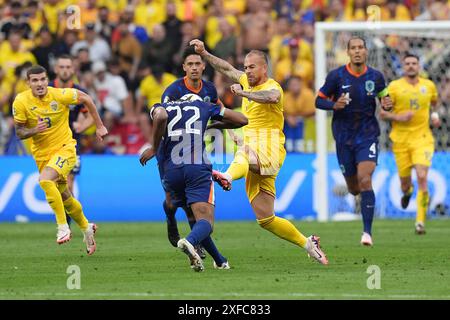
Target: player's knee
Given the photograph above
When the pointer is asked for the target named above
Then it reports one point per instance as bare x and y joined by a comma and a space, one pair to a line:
422, 177
365, 182
170, 205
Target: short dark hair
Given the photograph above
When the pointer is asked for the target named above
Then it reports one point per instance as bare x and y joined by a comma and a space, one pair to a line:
411, 55
36, 69
189, 51
356, 38
261, 54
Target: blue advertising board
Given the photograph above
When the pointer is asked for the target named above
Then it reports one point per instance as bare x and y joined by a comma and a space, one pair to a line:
117, 188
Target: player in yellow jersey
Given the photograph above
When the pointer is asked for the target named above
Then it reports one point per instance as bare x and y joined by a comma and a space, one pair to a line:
262, 152
413, 143
42, 113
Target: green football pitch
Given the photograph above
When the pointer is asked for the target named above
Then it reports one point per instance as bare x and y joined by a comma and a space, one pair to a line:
135, 261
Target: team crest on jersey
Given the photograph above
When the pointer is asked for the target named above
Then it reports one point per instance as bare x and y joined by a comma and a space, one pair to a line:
370, 87
423, 89
207, 99
54, 105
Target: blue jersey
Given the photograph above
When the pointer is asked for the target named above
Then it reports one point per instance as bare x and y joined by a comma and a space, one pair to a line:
74, 110
183, 143
180, 88
355, 123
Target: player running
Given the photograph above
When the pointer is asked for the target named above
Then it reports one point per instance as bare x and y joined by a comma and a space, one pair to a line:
262, 150
351, 91
79, 117
413, 143
42, 113
179, 126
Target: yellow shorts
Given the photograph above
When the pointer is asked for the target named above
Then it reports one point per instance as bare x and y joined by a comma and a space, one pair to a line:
265, 181
62, 161
408, 154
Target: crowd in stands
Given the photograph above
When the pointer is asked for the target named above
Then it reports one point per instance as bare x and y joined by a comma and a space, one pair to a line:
126, 52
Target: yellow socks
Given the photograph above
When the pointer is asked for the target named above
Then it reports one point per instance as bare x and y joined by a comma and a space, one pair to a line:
284, 229
54, 199
75, 211
422, 206
239, 167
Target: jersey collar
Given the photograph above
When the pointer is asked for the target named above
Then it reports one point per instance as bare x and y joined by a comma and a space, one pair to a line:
57, 83
192, 88
357, 75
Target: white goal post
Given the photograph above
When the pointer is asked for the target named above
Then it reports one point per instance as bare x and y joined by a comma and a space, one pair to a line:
322, 67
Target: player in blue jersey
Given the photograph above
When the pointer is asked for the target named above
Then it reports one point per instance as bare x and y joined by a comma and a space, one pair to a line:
350, 91
178, 130
194, 66
79, 118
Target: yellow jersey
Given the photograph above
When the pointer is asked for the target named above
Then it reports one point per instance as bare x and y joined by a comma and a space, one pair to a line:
53, 109
265, 121
152, 90
416, 98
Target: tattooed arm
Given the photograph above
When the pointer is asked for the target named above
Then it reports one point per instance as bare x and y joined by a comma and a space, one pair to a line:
263, 96
23, 132
218, 64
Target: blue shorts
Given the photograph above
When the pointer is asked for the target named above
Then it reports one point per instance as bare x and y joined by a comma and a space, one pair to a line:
350, 155
189, 184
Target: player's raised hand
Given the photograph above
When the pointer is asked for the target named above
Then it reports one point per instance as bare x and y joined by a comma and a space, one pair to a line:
41, 126
199, 46
236, 89
101, 132
386, 103
341, 102
147, 155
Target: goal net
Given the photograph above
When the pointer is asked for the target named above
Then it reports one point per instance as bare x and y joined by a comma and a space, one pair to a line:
387, 43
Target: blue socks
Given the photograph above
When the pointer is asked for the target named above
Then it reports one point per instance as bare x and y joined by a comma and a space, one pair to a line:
367, 209
200, 228
200, 231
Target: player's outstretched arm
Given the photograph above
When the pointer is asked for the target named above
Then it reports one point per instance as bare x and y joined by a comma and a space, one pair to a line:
89, 103
218, 64
159, 116
24, 133
263, 96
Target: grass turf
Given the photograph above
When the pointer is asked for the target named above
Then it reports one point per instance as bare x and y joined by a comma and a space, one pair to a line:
136, 261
